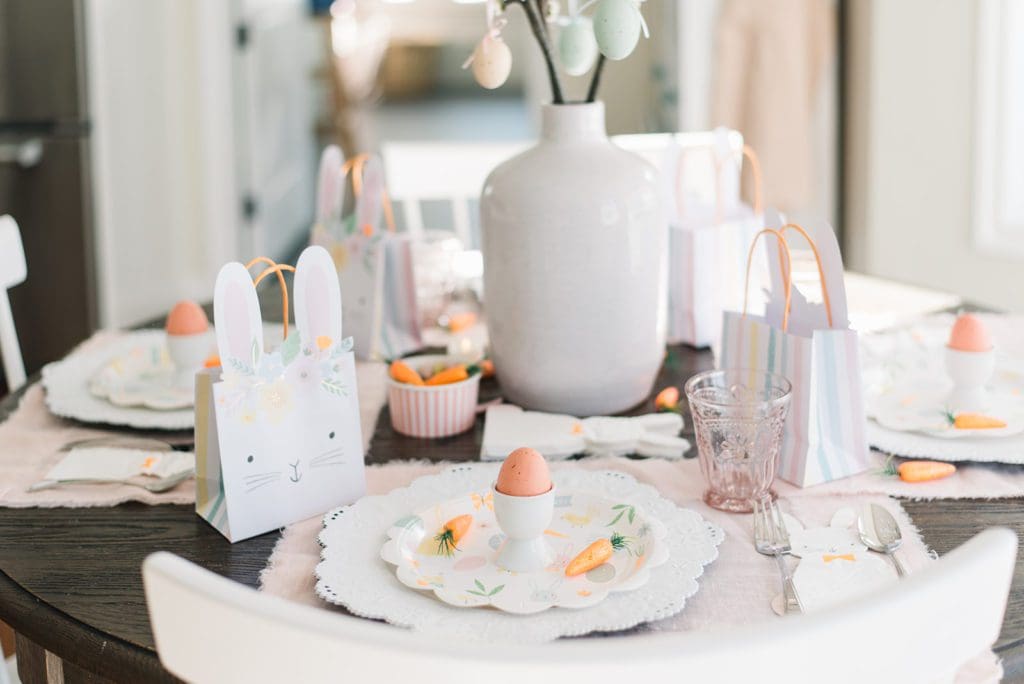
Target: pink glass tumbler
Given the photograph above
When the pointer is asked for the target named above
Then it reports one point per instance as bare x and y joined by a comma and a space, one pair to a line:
738, 416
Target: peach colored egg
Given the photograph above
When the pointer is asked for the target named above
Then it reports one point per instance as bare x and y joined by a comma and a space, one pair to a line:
969, 334
186, 318
524, 473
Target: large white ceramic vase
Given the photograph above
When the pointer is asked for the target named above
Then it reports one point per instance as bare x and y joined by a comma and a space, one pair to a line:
575, 252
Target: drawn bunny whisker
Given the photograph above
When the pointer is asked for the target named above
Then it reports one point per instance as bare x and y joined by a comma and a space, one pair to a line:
262, 483
326, 464
329, 456
249, 479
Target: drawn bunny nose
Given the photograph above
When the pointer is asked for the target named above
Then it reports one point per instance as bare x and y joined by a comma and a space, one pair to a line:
296, 475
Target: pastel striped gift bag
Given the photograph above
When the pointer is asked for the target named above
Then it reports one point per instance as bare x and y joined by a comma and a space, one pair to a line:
812, 346
709, 238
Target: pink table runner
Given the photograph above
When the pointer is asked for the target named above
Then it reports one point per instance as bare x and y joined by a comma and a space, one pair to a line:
735, 590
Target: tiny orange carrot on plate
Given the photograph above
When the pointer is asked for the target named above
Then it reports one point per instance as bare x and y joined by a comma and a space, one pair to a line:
974, 421
594, 555
453, 530
924, 471
401, 372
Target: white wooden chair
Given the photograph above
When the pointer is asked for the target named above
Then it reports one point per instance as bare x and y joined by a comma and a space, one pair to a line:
13, 271
925, 628
442, 171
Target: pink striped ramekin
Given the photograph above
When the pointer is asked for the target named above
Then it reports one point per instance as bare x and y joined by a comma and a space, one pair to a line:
432, 411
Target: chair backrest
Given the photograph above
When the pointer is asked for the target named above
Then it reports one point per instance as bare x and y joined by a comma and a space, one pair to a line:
442, 171
924, 628
13, 271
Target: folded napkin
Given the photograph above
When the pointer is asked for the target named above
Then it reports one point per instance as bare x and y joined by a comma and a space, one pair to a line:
559, 436
112, 463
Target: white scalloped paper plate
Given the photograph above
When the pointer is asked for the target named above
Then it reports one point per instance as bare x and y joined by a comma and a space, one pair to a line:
144, 377
352, 573
68, 395
471, 578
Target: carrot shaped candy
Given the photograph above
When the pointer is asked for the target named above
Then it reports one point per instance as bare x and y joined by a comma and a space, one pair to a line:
596, 554
667, 399
974, 421
401, 372
453, 530
925, 471
456, 373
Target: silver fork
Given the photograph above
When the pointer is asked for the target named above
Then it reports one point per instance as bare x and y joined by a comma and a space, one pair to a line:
772, 539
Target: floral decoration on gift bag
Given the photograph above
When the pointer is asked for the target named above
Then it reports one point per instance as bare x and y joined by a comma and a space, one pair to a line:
277, 431
812, 345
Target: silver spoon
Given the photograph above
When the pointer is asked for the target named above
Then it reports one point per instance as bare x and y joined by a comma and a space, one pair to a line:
879, 532
156, 486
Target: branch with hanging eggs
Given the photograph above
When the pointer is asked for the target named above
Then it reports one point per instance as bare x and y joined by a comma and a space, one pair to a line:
584, 43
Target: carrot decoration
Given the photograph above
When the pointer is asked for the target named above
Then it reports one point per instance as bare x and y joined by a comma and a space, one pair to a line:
974, 421
401, 372
452, 374
487, 368
456, 373
667, 399
453, 530
596, 554
924, 471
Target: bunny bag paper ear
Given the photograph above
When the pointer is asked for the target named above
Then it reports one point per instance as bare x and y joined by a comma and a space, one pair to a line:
370, 203
317, 297
236, 316
329, 183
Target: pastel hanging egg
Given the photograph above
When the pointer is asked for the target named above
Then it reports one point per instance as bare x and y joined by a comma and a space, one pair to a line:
492, 62
577, 47
616, 28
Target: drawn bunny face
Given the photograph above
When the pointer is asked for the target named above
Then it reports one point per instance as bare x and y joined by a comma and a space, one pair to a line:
288, 428
836, 539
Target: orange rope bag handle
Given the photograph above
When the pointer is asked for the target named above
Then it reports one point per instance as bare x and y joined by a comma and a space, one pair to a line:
356, 165
786, 266
279, 269
747, 153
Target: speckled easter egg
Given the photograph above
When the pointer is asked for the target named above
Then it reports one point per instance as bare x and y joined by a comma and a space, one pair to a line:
577, 47
492, 62
616, 28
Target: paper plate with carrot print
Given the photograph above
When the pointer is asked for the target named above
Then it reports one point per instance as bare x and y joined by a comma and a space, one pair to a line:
451, 548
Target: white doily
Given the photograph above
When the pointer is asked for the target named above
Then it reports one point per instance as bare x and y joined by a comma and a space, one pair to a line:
352, 574
67, 388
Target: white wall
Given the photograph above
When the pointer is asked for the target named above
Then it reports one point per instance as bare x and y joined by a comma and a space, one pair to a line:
911, 144
165, 203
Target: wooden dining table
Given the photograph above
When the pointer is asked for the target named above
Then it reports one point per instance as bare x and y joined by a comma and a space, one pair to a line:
71, 582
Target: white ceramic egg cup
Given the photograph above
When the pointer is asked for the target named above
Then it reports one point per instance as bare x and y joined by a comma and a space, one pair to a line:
187, 353
523, 519
970, 372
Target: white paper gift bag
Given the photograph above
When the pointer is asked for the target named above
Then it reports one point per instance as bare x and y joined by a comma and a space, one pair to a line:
812, 345
277, 432
709, 239
374, 265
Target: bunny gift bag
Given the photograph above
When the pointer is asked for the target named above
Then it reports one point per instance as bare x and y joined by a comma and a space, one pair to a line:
374, 265
811, 345
277, 432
